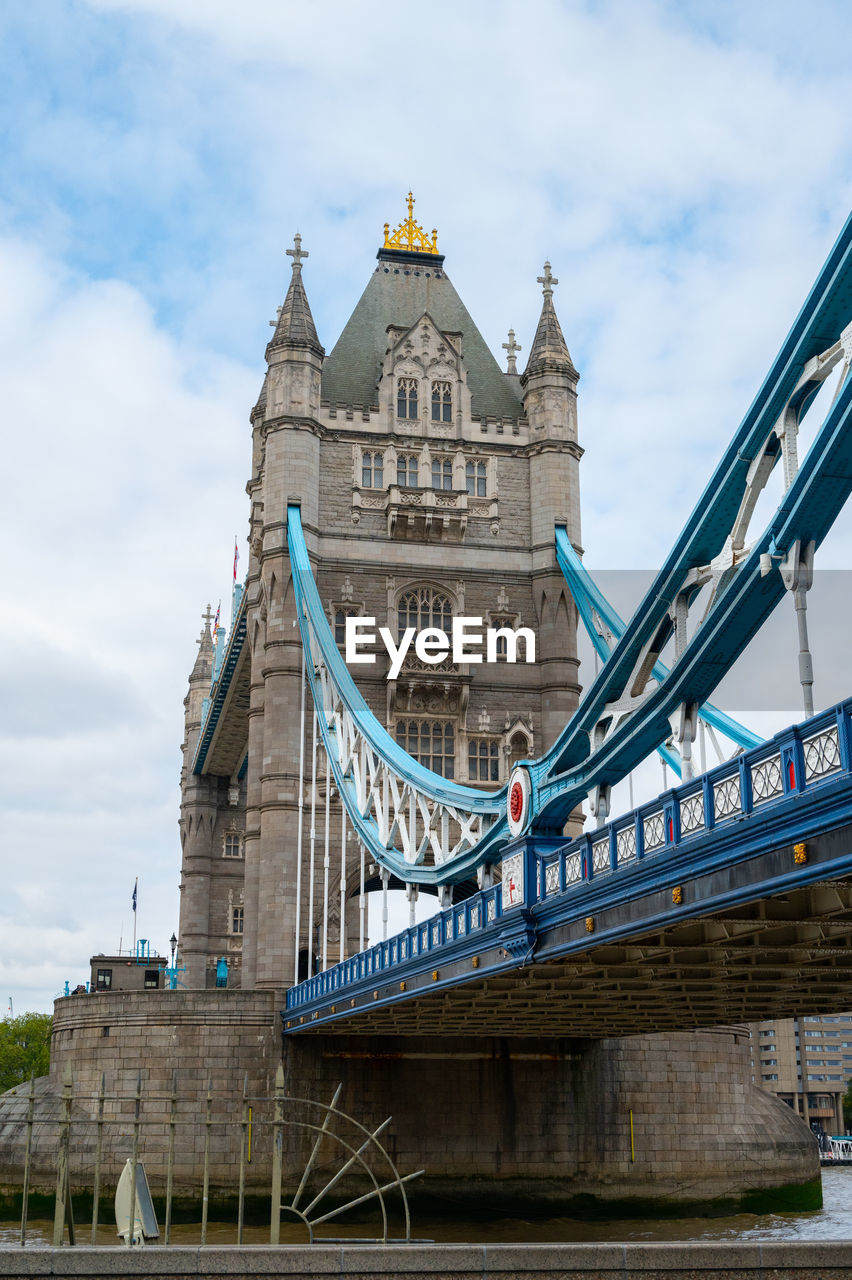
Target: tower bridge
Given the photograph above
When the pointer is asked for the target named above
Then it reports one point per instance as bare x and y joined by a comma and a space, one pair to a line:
406, 477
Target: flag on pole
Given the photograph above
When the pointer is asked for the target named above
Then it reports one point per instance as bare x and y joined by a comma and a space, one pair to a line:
216, 619
236, 556
135, 887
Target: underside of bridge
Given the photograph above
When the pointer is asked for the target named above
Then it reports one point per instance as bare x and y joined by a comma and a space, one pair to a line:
782, 956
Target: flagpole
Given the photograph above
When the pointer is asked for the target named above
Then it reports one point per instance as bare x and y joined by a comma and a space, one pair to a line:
135, 889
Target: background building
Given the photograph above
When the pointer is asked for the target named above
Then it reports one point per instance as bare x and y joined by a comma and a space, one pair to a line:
807, 1062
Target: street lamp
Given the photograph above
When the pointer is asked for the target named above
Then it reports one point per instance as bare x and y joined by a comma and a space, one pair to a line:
173, 945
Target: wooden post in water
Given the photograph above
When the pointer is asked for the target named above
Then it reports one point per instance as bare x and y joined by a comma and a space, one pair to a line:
25, 1201
205, 1194
243, 1145
170, 1162
99, 1147
277, 1151
62, 1207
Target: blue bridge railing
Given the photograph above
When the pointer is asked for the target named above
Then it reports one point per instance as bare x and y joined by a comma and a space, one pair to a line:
796, 761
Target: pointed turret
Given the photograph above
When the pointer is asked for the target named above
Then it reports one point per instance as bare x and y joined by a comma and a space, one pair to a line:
199, 684
549, 351
295, 326
204, 658
550, 399
295, 354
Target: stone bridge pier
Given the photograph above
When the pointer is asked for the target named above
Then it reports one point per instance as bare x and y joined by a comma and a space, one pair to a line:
499, 1124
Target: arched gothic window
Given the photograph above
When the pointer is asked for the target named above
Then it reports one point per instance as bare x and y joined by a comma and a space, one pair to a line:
406, 398
442, 473
442, 402
475, 477
406, 470
424, 607
431, 742
519, 749
372, 470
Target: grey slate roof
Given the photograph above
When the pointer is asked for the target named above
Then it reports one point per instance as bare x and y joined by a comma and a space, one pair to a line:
399, 292
549, 349
296, 326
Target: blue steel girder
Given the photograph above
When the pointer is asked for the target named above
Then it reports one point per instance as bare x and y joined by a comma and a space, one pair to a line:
603, 741
722, 841
591, 601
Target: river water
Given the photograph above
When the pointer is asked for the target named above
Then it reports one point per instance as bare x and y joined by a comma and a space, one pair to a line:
832, 1222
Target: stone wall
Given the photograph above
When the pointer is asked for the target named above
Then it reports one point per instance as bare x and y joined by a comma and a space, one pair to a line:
492, 1121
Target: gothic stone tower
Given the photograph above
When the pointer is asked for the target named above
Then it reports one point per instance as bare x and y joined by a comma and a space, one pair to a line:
429, 482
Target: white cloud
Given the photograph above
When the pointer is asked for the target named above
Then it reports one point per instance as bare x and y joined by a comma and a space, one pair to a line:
122, 486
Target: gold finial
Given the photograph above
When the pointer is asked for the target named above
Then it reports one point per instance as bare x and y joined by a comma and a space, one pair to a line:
409, 235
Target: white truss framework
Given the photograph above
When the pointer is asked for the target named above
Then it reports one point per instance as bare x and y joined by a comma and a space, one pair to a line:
422, 829
780, 444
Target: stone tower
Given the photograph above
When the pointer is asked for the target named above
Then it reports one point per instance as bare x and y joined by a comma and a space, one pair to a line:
429, 482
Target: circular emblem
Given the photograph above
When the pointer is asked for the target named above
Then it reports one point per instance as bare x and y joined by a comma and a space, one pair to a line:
516, 801
520, 791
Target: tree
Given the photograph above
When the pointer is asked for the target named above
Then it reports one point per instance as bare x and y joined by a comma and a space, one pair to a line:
24, 1048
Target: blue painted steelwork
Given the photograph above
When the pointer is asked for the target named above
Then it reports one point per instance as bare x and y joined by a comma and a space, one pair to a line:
319, 644
212, 706
567, 772
793, 787
590, 600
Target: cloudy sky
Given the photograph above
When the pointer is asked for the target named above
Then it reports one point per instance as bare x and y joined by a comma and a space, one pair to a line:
685, 167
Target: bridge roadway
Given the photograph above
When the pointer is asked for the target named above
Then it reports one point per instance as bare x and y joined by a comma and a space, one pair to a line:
726, 899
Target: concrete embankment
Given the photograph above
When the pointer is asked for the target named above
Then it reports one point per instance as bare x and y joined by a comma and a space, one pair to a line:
733, 1260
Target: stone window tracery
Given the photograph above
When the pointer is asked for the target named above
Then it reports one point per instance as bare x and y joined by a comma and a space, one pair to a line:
406, 470
372, 470
483, 760
424, 607
442, 402
476, 479
431, 742
442, 473
406, 398
237, 920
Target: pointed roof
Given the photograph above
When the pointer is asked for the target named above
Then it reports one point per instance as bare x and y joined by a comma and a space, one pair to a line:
549, 350
203, 665
295, 327
403, 287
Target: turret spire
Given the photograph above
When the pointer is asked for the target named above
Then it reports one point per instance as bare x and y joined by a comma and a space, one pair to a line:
204, 658
295, 325
549, 349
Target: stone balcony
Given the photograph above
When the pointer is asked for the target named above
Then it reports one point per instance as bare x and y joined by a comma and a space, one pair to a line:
416, 512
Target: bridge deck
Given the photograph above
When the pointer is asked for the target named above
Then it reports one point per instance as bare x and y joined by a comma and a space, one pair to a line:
746, 915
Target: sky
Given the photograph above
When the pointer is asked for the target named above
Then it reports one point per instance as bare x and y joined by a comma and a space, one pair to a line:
684, 166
